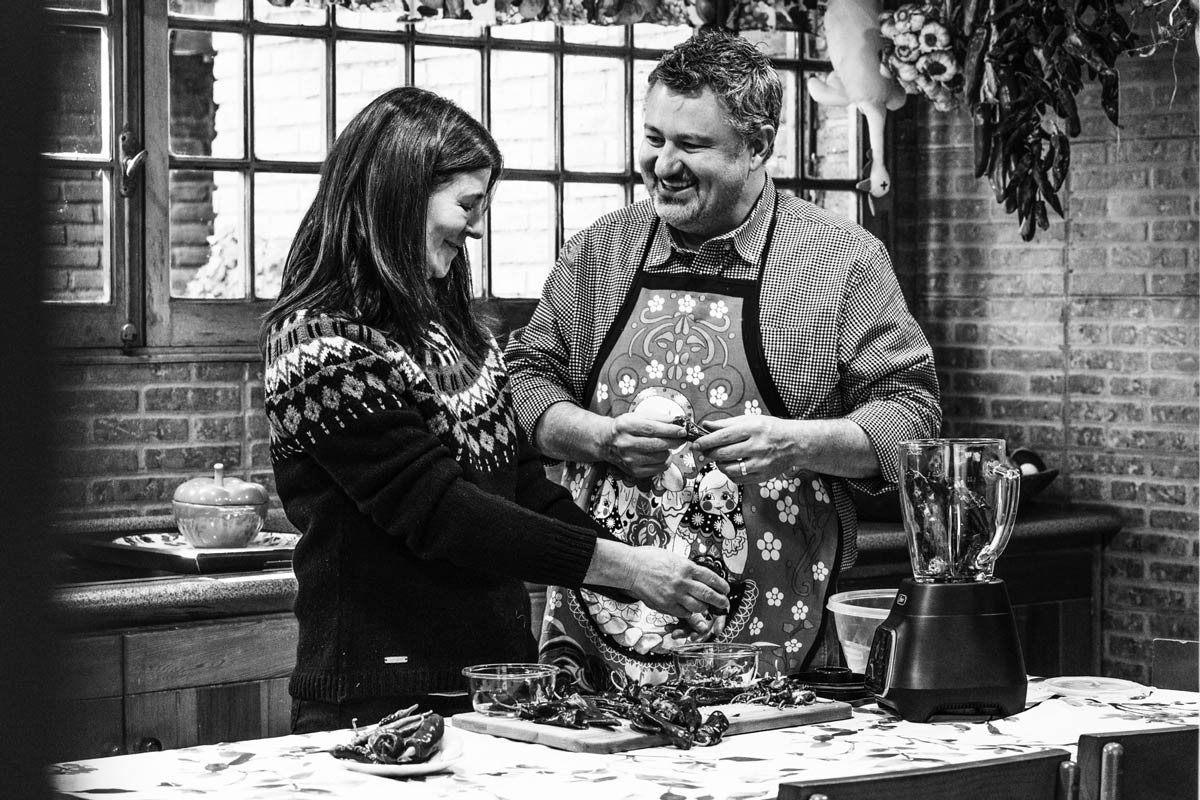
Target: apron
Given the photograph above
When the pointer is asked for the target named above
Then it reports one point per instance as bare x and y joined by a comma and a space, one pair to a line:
693, 340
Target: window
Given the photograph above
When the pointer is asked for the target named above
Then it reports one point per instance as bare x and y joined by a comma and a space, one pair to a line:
176, 235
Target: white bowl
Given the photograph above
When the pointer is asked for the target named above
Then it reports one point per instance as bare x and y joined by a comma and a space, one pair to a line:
856, 615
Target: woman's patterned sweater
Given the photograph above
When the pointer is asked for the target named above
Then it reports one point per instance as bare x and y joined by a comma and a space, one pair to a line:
419, 506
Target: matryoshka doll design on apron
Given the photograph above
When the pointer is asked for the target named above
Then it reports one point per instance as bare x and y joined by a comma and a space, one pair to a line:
690, 343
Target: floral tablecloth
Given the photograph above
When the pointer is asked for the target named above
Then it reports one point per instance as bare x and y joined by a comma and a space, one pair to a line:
744, 767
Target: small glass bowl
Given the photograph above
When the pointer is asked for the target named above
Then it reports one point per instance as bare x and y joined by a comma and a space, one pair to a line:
496, 689
717, 664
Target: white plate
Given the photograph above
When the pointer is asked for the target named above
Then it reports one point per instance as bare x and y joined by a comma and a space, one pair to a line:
1094, 687
450, 751
174, 542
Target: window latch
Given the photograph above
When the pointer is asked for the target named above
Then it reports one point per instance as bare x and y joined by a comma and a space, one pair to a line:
129, 336
133, 159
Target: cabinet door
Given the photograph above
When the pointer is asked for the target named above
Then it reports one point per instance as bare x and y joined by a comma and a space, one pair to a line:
88, 717
210, 653
207, 714
209, 682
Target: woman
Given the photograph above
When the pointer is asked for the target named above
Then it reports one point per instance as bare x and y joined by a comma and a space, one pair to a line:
394, 442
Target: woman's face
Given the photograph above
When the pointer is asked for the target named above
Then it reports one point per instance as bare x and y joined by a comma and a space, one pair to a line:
455, 212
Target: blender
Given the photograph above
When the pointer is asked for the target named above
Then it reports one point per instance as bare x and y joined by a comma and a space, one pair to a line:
949, 646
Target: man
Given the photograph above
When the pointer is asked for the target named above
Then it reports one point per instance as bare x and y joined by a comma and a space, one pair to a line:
778, 328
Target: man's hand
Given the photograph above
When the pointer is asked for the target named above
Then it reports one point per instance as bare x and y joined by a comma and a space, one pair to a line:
752, 448
675, 585
756, 447
640, 446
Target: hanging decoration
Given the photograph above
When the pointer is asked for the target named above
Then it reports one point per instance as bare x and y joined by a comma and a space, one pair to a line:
853, 40
1016, 66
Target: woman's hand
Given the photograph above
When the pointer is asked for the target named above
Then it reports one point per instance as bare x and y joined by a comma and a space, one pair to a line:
673, 584
664, 580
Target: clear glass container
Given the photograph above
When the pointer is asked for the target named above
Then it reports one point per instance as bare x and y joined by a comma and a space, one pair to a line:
717, 664
959, 500
497, 690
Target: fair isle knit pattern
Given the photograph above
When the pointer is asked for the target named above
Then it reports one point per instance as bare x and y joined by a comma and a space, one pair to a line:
323, 373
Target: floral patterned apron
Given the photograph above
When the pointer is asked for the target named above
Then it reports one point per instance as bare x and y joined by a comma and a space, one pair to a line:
695, 338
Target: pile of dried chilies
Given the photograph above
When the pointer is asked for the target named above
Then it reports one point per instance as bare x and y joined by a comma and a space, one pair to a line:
670, 709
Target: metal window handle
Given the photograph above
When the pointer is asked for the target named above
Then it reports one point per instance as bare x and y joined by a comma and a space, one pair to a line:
133, 159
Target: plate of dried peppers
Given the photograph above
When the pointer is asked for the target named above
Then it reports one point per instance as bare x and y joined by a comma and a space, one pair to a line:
402, 745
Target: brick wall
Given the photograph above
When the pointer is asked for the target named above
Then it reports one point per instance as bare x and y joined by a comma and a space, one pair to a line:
129, 431
1083, 343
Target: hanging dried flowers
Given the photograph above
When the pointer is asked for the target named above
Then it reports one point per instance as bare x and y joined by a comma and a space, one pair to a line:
921, 53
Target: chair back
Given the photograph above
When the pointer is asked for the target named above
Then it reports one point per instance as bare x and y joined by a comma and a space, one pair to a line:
1138, 765
1175, 664
1028, 776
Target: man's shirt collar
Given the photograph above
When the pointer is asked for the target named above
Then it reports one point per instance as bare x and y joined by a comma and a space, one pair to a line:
748, 239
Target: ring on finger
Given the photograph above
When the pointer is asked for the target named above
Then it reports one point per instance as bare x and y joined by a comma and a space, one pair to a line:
741, 465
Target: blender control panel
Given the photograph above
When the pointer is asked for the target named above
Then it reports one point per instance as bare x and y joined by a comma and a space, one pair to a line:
879, 660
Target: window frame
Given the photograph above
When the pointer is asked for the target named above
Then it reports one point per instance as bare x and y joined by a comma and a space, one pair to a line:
142, 315
115, 323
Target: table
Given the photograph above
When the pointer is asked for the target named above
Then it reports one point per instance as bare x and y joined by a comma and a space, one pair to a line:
744, 767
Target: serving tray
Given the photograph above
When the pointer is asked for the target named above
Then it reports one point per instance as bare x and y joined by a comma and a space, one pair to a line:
169, 551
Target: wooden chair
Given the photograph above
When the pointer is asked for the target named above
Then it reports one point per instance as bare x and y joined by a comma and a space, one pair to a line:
1175, 664
1028, 776
1138, 765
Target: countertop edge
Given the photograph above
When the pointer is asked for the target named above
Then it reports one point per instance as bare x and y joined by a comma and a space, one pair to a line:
112, 605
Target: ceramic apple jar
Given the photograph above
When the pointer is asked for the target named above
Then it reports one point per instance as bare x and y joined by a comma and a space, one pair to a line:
219, 511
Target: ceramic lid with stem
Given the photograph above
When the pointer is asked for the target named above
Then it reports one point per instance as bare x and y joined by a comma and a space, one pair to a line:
220, 490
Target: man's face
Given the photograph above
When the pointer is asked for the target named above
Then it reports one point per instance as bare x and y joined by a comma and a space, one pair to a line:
702, 177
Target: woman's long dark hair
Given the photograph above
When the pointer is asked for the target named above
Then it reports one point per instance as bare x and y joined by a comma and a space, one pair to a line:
360, 249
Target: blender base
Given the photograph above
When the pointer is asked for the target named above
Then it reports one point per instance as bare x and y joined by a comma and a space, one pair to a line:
948, 649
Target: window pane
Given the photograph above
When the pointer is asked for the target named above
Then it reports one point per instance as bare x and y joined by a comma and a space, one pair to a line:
365, 70
364, 18
831, 146
641, 71
279, 203
452, 27
594, 113
475, 259
844, 204
783, 160
206, 98
594, 34
776, 44
451, 72
219, 9
525, 31
207, 236
522, 113
76, 5
522, 218
289, 98
584, 203
78, 93
660, 37
298, 14
76, 240
814, 43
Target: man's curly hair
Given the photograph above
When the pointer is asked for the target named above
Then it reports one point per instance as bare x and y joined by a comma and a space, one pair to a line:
737, 72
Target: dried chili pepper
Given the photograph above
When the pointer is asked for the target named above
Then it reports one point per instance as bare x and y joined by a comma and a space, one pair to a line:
1110, 95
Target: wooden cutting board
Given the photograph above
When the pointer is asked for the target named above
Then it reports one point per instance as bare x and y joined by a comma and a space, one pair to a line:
743, 718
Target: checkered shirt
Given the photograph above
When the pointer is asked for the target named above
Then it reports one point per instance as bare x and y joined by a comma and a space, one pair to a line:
836, 332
